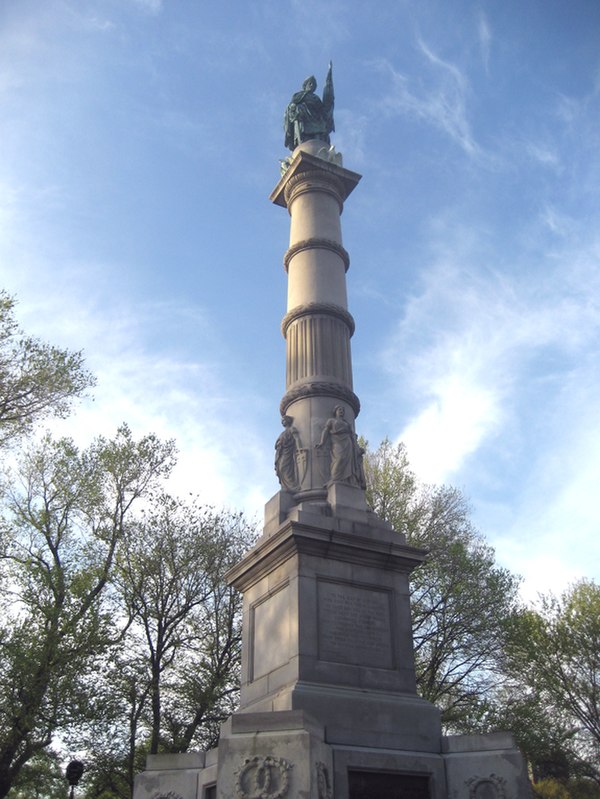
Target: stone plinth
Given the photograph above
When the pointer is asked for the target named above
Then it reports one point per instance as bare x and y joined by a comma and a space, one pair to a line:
189, 775
327, 629
273, 755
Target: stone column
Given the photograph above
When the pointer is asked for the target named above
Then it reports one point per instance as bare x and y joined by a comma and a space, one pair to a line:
317, 326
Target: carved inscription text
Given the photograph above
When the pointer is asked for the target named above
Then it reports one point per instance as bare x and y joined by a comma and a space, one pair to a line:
355, 625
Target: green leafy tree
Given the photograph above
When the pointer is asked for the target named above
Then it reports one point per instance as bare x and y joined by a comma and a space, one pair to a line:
62, 523
460, 598
43, 777
553, 656
176, 674
37, 380
550, 789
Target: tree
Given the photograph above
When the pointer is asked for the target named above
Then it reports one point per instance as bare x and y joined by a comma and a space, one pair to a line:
553, 655
550, 789
175, 676
62, 524
36, 380
43, 777
186, 617
460, 598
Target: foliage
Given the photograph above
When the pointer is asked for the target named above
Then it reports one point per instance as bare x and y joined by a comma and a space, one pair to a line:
460, 598
36, 380
42, 777
584, 788
554, 655
174, 677
62, 523
550, 789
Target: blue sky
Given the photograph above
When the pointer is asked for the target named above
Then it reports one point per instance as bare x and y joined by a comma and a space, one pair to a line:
140, 142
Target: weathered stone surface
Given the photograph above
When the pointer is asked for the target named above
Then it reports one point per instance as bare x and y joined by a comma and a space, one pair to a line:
485, 767
278, 752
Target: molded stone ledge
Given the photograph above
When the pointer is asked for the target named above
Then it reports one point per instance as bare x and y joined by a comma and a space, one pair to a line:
244, 723
176, 761
493, 741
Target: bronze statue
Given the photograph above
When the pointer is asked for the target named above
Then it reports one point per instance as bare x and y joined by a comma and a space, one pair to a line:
307, 116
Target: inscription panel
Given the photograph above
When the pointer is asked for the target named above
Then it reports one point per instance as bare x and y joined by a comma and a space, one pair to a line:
355, 625
271, 640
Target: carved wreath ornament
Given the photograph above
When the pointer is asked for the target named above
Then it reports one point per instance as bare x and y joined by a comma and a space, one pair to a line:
263, 778
323, 782
484, 787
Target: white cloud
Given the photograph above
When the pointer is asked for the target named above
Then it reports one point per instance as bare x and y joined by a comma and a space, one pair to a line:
503, 373
149, 6
442, 104
450, 427
557, 222
485, 40
158, 367
492, 338
543, 152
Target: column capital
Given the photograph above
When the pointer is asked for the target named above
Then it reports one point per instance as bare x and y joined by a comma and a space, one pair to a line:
302, 162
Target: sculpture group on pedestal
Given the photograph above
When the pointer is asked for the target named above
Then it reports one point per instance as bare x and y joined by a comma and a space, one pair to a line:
339, 455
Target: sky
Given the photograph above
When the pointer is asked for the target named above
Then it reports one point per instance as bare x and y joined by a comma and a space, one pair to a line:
139, 143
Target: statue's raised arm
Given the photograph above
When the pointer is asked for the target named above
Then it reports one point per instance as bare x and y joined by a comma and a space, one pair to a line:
307, 116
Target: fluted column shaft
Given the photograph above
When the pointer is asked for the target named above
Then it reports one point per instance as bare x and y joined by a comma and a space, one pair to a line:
317, 326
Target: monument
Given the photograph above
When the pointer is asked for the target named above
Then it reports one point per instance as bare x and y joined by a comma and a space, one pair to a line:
328, 706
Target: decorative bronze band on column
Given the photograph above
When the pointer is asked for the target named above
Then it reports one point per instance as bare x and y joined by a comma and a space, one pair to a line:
313, 244
313, 180
318, 389
326, 308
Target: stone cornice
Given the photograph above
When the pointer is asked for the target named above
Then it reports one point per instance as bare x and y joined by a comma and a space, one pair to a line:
314, 180
304, 162
316, 243
376, 549
326, 308
320, 389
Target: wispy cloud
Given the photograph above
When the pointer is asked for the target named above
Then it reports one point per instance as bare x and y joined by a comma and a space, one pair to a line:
485, 40
154, 387
149, 6
502, 367
543, 152
442, 103
492, 334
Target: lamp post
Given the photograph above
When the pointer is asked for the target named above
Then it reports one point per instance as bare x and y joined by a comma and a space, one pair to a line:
73, 773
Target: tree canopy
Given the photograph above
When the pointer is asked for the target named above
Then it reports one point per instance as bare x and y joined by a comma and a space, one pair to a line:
460, 598
553, 656
37, 380
63, 519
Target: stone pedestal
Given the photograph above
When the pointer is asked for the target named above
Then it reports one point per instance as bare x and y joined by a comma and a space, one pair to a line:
327, 628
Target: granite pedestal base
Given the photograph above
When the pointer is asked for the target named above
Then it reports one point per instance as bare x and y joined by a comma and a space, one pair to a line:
328, 706
285, 755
